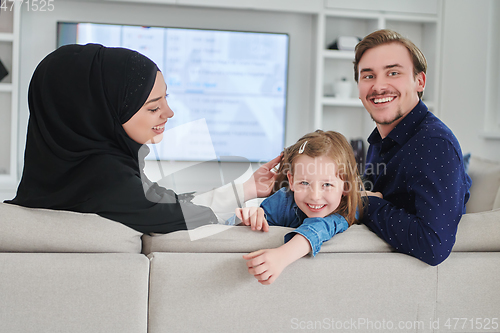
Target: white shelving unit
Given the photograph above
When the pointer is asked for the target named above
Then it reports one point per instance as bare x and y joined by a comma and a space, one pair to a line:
347, 115
9, 55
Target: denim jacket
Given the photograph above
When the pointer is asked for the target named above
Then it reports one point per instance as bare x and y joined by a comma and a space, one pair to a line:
281, 210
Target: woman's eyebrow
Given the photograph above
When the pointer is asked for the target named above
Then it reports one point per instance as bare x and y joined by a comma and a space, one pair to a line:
156, 99
153, 100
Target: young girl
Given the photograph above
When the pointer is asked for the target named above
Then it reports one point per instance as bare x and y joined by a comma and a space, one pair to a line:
317, 192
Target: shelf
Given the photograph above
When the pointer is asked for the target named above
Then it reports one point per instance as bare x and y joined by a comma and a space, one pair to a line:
491, 135
6, 37
332, 101
5, 87
338, 54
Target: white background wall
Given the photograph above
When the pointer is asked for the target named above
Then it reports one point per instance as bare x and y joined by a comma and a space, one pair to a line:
464, 95
465, 69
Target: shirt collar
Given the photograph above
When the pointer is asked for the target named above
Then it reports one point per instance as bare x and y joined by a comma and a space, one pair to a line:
404, 130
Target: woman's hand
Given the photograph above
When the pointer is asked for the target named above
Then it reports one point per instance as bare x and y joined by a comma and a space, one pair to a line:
254, 217
262, 180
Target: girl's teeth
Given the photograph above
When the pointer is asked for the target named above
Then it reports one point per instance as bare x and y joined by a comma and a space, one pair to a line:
316, 206
158, 127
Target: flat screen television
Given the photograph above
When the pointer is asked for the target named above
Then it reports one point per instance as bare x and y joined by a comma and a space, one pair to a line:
229, 86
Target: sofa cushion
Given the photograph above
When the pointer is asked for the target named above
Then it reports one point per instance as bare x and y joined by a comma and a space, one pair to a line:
485, 175
478, 232
241, 239
213, 292
74, 292
43, 230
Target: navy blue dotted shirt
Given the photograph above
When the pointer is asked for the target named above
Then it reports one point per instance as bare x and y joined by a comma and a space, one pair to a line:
419, 170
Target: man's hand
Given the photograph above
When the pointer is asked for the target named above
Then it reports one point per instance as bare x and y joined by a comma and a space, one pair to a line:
254, 217
262, 180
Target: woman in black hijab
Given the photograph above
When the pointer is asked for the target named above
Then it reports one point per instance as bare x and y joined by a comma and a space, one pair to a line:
90, 107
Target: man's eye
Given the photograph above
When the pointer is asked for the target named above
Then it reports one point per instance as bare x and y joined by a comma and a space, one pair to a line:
367, 77
393, 73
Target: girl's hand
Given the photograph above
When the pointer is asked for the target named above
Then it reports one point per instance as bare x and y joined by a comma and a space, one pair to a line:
254, 217
266, 265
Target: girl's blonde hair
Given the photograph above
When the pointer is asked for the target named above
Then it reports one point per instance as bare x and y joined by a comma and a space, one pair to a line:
335, 146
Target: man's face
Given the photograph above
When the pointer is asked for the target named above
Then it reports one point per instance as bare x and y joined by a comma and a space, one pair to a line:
387, 86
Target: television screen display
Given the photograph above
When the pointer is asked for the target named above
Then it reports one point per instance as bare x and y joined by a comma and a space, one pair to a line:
228, 87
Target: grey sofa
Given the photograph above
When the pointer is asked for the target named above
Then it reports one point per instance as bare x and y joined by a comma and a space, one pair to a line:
70, 272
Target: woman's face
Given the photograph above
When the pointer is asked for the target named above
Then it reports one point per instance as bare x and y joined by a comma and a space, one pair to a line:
147, 124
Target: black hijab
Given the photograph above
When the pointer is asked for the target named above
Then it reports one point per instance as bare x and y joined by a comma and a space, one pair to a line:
78, 157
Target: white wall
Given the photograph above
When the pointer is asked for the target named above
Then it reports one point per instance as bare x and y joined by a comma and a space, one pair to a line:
464, 100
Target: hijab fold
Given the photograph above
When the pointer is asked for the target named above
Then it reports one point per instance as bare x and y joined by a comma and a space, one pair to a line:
78, 157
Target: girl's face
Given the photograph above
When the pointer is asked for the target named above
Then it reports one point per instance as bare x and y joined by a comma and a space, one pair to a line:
316, 186
147, 124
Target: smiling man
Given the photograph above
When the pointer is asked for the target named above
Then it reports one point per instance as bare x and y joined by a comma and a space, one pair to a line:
417, 198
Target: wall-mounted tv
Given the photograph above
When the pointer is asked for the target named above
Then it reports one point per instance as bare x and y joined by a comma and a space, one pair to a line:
235, 80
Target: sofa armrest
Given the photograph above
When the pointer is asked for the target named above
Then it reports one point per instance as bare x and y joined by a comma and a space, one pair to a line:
478, 232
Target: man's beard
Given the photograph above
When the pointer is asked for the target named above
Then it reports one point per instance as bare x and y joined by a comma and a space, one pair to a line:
398, 116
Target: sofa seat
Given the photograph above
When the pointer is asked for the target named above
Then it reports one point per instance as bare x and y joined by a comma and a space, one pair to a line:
73, 292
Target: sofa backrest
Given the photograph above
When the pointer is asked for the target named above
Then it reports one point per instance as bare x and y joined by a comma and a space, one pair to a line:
485, 189
42, 230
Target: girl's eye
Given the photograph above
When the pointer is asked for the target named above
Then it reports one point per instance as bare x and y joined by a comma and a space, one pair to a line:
327, 185
304, 183
155, 109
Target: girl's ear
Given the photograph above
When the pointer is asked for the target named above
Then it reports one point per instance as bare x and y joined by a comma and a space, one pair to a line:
347, 188
290, 180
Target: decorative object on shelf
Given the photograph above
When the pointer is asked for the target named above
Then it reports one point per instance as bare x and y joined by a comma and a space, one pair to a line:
328, 90
343, 88
3, 71
344, 43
